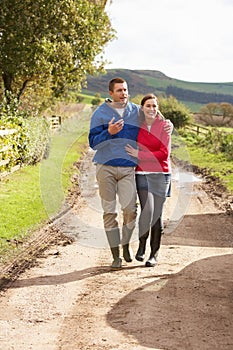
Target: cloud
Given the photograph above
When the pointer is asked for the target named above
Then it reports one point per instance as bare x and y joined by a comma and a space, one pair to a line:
178, 37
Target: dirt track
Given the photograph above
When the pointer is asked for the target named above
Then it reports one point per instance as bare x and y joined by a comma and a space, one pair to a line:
72, 300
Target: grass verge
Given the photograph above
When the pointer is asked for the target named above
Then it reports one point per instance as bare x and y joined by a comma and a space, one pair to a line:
216, 165
30, 196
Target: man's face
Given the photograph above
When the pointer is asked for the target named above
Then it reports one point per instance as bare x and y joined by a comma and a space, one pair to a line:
120, 93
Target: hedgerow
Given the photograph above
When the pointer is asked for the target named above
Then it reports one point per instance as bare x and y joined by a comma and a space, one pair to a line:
214, 141
29, 142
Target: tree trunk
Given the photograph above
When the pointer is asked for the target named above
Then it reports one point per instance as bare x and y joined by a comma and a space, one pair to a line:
22, 89
7, 80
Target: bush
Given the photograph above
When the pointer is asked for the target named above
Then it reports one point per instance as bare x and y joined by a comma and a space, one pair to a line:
176, 111
35, 138
96, 100
226, 145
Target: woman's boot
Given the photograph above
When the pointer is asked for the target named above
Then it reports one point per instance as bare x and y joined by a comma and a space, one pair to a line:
151, 262
140, 255
155, 239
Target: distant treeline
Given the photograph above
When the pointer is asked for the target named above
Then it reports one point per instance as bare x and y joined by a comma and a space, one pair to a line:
195, 96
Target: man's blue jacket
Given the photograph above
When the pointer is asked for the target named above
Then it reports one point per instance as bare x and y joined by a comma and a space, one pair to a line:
110, 149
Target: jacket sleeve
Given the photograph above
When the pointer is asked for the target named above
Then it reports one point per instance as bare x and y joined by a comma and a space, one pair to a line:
97, 136
98, 132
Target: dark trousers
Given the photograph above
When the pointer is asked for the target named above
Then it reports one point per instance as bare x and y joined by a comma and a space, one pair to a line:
150, 220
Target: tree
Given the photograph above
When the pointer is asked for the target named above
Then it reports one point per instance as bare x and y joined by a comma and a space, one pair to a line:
227, 112
174, 110
208, 111
51, 43
217, 113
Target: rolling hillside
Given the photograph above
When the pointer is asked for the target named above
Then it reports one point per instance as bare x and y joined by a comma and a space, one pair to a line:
194, 95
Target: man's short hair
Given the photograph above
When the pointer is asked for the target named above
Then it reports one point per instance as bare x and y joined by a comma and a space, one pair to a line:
114, 81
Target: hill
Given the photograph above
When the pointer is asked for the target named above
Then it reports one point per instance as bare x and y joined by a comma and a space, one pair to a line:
193, 94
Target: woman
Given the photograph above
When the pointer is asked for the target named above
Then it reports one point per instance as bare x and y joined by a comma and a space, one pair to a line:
153, 176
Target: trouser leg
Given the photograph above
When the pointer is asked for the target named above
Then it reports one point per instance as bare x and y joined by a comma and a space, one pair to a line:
127, 197
147, 207
129, 219
107, 190
126, 190
107, 183
156, 230
115, 181
156, 225
146, 203
119, 181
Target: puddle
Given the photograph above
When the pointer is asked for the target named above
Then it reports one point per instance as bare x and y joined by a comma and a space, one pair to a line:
183, 177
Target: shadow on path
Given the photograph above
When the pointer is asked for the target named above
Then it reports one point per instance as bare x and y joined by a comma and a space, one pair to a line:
67, 277
188, 310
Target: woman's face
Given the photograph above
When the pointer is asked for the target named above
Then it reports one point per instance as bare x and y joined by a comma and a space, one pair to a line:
150, 109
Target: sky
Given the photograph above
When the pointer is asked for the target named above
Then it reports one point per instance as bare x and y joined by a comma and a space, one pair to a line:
189, 40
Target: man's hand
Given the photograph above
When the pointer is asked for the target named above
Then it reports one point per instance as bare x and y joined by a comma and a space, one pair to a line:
168, 127
114, 128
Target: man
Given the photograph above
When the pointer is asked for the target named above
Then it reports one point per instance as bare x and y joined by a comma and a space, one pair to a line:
114, 125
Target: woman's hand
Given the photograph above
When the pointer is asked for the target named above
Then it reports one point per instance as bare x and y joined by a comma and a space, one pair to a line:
131, 151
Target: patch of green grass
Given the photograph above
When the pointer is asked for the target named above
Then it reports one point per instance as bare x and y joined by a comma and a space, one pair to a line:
55, 172
34, 193
217, 164
21, 206
88, 97
225, 129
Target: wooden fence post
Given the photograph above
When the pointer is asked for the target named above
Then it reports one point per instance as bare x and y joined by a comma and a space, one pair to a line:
55, 122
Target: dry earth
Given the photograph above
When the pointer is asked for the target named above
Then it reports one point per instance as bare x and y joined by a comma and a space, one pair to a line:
70, 299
